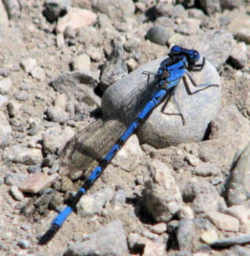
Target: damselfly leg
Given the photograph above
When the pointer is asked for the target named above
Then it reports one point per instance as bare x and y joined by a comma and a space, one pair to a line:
179, 113
201, 86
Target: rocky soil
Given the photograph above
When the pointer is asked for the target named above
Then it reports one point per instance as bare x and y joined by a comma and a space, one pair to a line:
180, 198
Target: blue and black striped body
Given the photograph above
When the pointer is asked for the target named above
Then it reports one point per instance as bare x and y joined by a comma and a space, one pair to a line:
171, 70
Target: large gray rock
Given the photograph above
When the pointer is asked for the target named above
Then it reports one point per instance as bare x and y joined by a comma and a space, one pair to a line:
128, 96
108, 241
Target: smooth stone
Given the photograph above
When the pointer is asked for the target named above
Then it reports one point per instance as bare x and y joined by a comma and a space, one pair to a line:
159, 34
126, 97
24, 244
16, 193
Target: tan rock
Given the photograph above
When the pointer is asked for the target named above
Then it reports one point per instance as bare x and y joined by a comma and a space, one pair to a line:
154, 249
209, 236
36, 182
76, 18
223, 222
61, 101
82, 62
240, 27
242, 213
158, 228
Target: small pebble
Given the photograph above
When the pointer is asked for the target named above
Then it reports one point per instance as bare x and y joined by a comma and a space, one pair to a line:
24, 244
33, 128
9, 180
25, 227
119, 197
3, 100
132, 64
4, 72
209, 236
158, 228
16, 193
28, 64
158, 34
21, 96
34, 168
11, 109
192, 160
5, 85
81, 62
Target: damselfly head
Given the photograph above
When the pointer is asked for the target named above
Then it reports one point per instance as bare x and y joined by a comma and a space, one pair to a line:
191, 55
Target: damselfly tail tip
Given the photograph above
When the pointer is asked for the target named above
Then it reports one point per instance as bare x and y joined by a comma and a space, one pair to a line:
48, 235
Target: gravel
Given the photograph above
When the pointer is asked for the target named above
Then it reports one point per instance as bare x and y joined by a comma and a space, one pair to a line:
66, 67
